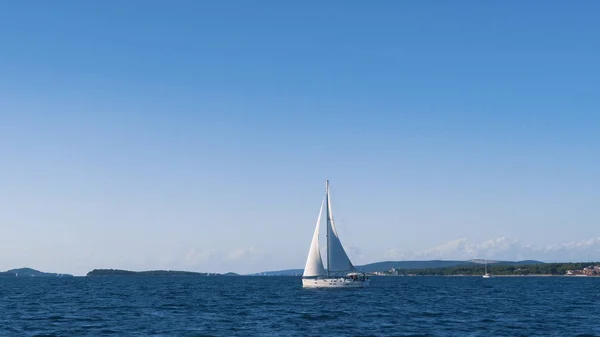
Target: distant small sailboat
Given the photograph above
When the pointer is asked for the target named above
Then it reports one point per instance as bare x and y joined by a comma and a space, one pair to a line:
486, 275
338, 263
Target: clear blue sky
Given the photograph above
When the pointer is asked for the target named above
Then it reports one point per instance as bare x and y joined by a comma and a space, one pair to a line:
197, 135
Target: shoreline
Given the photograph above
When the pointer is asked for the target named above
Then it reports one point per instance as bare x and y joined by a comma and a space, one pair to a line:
492, 276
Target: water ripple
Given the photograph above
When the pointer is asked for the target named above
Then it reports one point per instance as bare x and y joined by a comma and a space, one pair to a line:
277, 306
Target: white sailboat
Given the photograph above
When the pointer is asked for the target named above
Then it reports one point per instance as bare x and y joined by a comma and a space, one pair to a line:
486, 275
340, 273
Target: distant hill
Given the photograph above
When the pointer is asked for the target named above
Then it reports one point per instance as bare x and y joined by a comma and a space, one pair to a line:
29, 272
286, 272
120, 272
387, 265
504, 269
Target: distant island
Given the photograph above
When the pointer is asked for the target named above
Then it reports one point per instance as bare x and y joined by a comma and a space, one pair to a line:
385, 268
553, 269
120, 272
382, 267
465, 268
29, 272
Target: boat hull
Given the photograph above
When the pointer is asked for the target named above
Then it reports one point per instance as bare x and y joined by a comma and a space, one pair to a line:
334, 283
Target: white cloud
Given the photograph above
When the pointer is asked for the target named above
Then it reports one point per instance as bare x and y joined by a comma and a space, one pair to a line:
355, 253
395, 254
196, 255
242, 260
459, 247
241, 254
504, 248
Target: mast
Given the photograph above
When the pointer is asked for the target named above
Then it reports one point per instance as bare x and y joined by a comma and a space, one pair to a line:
486, 265
328, 221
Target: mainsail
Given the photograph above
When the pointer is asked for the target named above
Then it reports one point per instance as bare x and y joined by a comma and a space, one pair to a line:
314, 264
337, 259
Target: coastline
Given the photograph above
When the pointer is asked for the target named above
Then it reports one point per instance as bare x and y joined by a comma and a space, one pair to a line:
492, 276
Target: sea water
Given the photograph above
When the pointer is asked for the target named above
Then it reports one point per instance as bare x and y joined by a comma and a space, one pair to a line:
278, 306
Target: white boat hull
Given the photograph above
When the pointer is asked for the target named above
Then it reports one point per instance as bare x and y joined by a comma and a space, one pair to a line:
334, 283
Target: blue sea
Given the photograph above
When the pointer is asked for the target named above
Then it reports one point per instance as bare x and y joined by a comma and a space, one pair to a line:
278, 306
